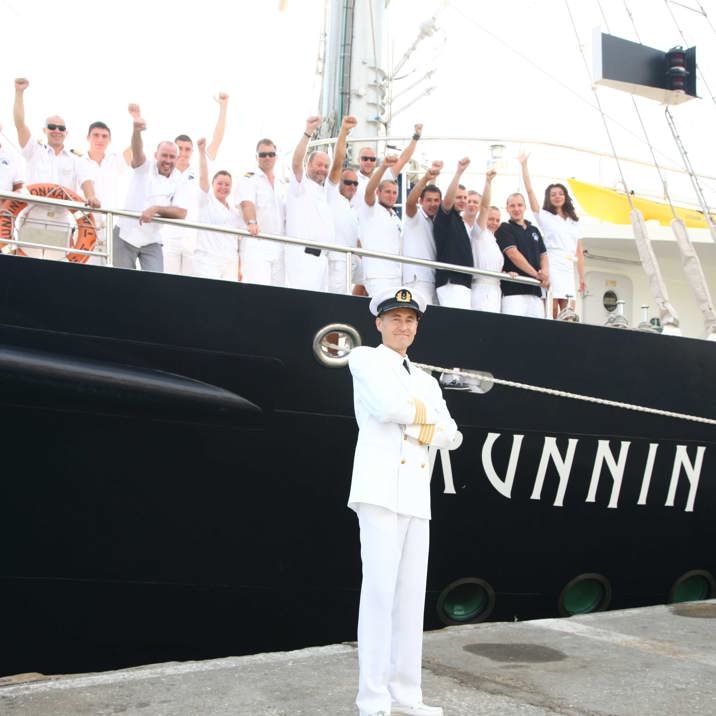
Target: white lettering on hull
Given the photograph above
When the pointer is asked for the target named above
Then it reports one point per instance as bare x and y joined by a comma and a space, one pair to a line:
550, 451
616, 468
563, 464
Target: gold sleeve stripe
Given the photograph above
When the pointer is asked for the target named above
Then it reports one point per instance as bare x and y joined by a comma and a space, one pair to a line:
427, 433
420, 412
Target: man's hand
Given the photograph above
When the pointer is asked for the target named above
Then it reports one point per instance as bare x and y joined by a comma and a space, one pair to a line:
222, 98
93, 202
522, 158
543, 277
139, 124
148, 214
434, 171
490, 174
21, 84
253, 229
201, 144
463, 164
349, 123
390, 160
312, 124
419, 129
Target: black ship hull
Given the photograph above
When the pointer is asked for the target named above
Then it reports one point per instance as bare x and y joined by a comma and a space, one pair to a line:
176, 464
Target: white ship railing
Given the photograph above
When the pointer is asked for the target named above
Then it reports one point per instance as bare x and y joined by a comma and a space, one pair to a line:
110, 215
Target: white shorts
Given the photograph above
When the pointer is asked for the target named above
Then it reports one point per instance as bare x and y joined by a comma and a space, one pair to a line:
306, 271
523, 305
179, 254
262, 261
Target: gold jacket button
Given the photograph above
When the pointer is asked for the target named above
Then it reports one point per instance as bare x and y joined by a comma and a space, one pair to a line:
422, 464
405, 437
402, 462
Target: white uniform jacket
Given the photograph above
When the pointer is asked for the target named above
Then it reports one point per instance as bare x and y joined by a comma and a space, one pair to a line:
399, 415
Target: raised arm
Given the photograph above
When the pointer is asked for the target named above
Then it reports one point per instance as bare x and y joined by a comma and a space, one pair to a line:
213, 149
203, 165
377, 176
299, 153
18, 112
486, 199
408, 152
339, 155
531, 197
449, 198
411, 203
137, 145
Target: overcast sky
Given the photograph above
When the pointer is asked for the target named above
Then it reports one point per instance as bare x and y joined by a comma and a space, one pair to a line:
508, 70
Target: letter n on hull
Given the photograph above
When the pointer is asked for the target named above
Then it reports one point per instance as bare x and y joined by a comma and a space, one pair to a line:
692, 471
550, 451
504, 487
616, 468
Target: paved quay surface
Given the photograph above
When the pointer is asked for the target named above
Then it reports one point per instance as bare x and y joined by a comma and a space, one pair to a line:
642, 662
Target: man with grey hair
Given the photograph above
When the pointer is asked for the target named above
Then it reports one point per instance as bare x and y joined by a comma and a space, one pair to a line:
151, 192
308, 215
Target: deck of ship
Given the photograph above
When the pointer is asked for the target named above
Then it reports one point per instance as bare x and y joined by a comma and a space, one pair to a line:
654, 660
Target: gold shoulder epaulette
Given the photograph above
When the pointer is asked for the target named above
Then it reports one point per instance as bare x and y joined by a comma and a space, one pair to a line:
76, 152
249, 174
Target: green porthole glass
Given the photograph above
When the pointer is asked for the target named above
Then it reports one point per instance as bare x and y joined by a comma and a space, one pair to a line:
466, 601
585, 594
693, 586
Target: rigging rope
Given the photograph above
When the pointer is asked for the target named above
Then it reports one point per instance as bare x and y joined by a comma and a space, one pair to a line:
572, 396
599, 104
683, 38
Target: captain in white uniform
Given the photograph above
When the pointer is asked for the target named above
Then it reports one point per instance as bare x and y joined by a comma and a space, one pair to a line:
400, 412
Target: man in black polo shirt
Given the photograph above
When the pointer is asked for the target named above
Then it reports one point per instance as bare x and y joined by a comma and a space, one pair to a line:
452, 244
526, 255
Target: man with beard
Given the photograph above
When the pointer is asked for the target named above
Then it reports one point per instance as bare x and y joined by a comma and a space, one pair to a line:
452, 244
151, 192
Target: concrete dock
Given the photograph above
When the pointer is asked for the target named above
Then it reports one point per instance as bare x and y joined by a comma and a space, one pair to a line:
642, 662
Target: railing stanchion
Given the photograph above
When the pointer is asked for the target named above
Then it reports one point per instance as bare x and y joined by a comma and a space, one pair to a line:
109, 237
349, 272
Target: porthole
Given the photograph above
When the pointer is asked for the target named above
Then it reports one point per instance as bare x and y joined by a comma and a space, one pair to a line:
333, 343
466, 601
585, 594
609, 300
694, 586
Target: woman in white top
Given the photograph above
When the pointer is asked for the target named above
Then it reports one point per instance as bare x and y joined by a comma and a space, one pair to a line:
486, 294
216, 254
558, 222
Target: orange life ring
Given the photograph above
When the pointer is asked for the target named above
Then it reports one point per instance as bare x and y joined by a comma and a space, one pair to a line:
84, 236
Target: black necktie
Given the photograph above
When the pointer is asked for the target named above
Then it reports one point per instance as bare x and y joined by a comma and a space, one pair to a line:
405, 365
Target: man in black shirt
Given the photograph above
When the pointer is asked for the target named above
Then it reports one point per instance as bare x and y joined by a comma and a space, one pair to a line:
526, 255
452, 244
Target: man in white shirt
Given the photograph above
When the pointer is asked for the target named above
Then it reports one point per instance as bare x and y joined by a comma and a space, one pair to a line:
179, 242
262, 200
51, 163
151, 192
109, 171
380, 230
342, 186
10, 174
308, 215
421, 206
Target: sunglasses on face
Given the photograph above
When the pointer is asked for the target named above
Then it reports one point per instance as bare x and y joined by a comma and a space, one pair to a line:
263, 155
367, 159
350, 182
59, 127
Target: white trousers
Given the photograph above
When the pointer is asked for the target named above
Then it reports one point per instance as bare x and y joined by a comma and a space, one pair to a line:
486, 297
179, 254
454, 295
523, 305
394, 552
210, 266
306, 271
262, 261
337, 273
425, 288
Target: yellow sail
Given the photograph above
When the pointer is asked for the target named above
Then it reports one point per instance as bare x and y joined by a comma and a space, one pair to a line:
612, 206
